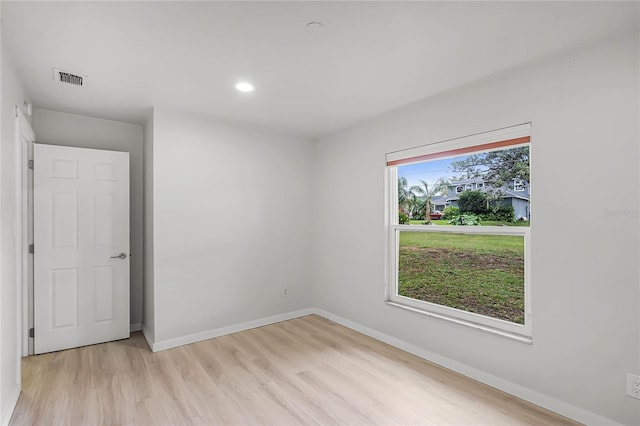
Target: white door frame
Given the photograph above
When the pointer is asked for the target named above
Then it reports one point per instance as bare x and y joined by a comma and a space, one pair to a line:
24, 138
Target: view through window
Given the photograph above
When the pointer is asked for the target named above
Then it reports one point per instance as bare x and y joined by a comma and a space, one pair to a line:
463, 216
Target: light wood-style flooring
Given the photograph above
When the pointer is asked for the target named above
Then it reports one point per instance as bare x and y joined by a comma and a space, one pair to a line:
304, 371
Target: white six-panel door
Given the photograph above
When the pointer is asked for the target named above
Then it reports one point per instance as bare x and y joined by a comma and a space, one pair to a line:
81, 247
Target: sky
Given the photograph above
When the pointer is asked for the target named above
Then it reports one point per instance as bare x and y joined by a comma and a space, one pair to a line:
429, 171
432, 171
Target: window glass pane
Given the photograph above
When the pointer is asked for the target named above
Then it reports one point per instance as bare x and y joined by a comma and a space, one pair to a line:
488, 188
478, 273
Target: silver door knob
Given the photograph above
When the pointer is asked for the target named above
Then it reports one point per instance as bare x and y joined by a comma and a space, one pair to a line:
122, 255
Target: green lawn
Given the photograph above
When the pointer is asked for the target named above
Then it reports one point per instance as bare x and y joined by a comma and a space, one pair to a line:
498, 223
476, 273
435, 222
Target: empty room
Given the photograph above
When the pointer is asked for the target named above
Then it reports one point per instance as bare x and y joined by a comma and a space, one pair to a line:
320, 212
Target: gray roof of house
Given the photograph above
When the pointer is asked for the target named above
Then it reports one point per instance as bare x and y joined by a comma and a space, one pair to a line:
506, 193
439, 200
465, 181
509, 193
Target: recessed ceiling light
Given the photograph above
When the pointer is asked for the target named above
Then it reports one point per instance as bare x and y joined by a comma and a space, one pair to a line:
244, 86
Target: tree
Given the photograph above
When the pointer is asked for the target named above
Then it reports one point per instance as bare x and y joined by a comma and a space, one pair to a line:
413, 204
428, 191
403, 193
416, 206
497, 168
473, 202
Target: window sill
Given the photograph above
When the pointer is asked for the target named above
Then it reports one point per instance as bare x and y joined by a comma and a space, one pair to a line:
513, 336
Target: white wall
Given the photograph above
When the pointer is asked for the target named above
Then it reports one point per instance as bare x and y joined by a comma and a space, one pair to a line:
12, 93
231, 209
584, 109
148, 311
57, 128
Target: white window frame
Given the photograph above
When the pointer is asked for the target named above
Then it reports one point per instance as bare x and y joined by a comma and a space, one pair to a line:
460, 188
519, 183
520, 332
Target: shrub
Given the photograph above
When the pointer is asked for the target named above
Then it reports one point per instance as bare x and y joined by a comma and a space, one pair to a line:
473, 202
450, 212
500, 213
465, 220
403, 218
419, 215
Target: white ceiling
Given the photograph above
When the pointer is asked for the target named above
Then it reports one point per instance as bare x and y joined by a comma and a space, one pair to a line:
371, 58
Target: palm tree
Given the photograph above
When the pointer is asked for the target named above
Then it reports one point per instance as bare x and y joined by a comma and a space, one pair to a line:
427, 191
403, 193
413, 204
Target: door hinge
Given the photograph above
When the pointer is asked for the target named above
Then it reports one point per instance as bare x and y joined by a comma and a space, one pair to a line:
31, 332
31, 249
30, 164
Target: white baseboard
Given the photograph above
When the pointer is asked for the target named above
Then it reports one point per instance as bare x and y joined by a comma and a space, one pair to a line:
162, 345
135, 327
537, 398
11, 406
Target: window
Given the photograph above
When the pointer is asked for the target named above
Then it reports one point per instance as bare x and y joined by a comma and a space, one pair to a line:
518, 185
470, 266
468, 187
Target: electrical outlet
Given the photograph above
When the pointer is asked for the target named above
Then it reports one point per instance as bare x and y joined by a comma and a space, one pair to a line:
285, 292
633, 385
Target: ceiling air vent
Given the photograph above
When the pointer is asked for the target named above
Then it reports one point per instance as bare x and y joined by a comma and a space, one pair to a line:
69, 78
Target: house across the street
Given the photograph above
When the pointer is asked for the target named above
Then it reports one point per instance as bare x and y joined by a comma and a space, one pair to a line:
515, 194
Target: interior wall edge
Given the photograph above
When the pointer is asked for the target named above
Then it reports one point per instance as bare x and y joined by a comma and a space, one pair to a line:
8, 411
148, 336
157, 346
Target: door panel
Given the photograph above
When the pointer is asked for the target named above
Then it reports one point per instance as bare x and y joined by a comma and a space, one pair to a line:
64, 298
103, 207
64, 219
103, 291
81, 225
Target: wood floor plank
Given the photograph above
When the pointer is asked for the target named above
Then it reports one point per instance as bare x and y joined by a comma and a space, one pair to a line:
306, 371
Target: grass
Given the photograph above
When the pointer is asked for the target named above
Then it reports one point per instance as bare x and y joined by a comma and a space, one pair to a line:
500, 223
483, 274
433, 221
